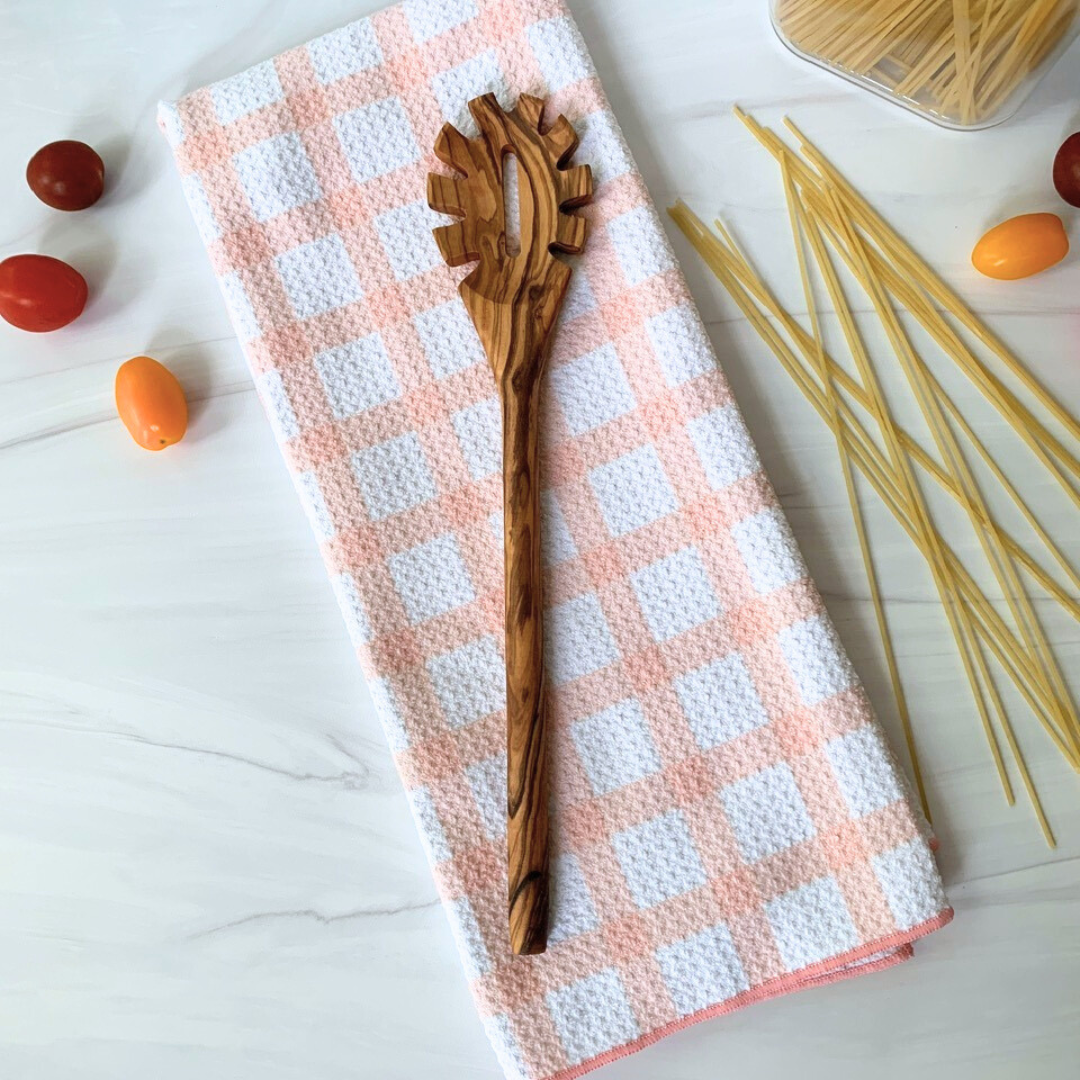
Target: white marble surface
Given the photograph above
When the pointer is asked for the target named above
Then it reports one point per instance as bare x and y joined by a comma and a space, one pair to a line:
207, 867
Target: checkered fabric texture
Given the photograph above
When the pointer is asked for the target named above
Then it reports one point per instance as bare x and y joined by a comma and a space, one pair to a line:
728, 823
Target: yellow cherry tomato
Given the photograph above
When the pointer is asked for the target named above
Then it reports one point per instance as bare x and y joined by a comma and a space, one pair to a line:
151, 403
1021, 247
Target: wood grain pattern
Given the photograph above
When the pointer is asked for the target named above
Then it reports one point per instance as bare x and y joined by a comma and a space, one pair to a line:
514, 299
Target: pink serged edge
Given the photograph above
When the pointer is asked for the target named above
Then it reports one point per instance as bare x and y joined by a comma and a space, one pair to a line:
828, 971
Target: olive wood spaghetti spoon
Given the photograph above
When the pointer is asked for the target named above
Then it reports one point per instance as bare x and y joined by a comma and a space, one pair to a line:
514, 299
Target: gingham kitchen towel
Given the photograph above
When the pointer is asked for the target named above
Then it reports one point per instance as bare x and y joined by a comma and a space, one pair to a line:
728, 823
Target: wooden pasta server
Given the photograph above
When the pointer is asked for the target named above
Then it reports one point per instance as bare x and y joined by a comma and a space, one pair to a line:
514, 299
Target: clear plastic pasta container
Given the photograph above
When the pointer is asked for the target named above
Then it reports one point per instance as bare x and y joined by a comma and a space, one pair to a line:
965, 64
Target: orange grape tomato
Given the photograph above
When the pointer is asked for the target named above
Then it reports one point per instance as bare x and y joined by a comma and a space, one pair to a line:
150, 401
39, 293
1067, 170
1021, 247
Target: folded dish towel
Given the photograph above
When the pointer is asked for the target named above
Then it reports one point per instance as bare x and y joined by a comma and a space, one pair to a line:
728, 823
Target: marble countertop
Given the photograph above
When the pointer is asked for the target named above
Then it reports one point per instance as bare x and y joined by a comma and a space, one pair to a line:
207, 865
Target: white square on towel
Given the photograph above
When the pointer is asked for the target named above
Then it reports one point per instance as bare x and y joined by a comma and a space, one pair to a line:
344, 52
393, 476
454, 89
487, 781
659, 860
817, 661
377, 139
501, 1033
450, 341
171, 124
241, 94
702, 970
427, 20
911, 884
356, 620
479, 434
240, 309
675, 594
640, 245
864, 771
615, 747
592, 390
767, 812
633, 491
275, 400
357, 376
768, 549
469, 682
318, 277
682, 349
572, 909
602, 147
555, 535
560, 53
723, 446
578, 640
389, 714
580, 299
311, 498
276, 175
431, 830
407, 239
592, 1016
432, 578
470, 940
720, 701
201, 210
811, 924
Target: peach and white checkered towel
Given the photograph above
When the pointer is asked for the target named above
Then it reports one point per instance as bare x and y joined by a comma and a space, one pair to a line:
727, 821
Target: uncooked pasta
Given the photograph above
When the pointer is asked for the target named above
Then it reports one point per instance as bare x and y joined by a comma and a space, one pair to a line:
960, 60
834, 228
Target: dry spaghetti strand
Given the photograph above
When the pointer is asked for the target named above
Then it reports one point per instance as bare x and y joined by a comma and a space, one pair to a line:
826, 212
797, 215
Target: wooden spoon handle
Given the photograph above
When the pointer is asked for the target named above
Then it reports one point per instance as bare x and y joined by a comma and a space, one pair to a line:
527, 806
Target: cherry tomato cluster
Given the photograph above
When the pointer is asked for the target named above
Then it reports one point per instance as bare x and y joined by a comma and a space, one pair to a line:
39, 293
1031, 243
